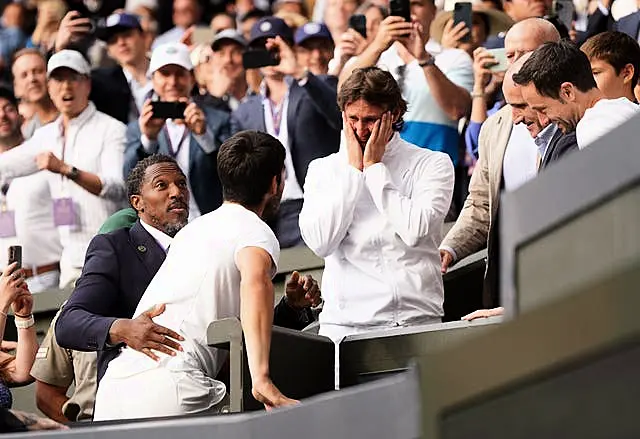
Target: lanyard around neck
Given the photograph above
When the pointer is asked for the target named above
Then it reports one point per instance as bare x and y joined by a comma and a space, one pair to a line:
175, 153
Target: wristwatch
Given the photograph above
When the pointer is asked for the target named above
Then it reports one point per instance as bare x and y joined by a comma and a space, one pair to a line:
73, 173
431, 61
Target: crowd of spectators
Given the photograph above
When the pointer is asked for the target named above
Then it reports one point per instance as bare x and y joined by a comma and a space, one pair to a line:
469, 113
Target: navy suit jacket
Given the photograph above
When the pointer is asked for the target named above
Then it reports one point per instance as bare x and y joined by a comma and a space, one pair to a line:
110, 92
314, 121
118, 268
203, 167
629, 24
560, 145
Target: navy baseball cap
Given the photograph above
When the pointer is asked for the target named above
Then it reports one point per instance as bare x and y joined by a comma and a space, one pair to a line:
270, 27
312, 30
116, 23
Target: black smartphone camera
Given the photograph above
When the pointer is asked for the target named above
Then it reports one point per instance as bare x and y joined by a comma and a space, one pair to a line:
257, 58
168, 110
15, 255
359, 24
400, 8
462, 13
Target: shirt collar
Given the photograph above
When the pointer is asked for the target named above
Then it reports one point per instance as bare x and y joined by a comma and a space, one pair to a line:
263, 86
544, 137
129, 77
80, 119
163, 240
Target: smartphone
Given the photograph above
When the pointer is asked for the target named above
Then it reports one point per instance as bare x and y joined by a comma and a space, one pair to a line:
15, 255
462, 13
501, 60
400, 8
358, 23
203, 35
257, 58
564, 10
168, 110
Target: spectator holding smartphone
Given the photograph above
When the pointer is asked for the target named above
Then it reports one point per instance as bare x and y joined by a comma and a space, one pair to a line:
436, 84
15, 295
192, 139
297, 107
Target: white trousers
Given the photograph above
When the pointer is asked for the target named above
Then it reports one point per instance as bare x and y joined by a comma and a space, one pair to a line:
155, 393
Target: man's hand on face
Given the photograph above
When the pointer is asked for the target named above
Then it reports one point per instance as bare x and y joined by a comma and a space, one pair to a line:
149, 126
194, 119
353, 146
145, 336
377, 143
302, 291
288, 62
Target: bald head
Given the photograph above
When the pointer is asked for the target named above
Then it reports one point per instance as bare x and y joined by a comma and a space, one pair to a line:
527, 35
508, 84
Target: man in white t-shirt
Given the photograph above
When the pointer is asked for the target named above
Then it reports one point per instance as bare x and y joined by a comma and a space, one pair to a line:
566, 92
220, 266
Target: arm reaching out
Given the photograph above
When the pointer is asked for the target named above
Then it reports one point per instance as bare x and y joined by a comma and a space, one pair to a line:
256, 314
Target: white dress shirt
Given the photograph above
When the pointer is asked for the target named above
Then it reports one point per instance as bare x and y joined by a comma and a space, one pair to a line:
378, 231
292, 189
93, 142
200, 283
163, 240
605, 116
139, 92
520, 158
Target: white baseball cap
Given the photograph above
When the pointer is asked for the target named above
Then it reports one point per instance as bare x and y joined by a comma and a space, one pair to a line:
70, 59
170, 53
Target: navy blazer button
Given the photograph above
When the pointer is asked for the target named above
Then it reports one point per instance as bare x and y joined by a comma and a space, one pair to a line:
142, 248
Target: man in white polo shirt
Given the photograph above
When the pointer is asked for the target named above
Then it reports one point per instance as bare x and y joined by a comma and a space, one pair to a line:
83, 152
565, 92
220, 265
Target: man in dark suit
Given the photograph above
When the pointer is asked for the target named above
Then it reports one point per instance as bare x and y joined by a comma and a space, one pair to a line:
192, 137
120, 265
120, 91
299, 109
630, 25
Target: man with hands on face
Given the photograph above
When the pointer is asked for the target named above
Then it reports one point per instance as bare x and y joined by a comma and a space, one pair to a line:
374, 211
435, 84
299, 109
192, 139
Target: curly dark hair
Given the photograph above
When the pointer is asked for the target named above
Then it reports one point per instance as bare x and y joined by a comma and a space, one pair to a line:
247, 163
375, 86
136, 176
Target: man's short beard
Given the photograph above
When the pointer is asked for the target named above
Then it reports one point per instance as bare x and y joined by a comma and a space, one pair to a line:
173, 228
